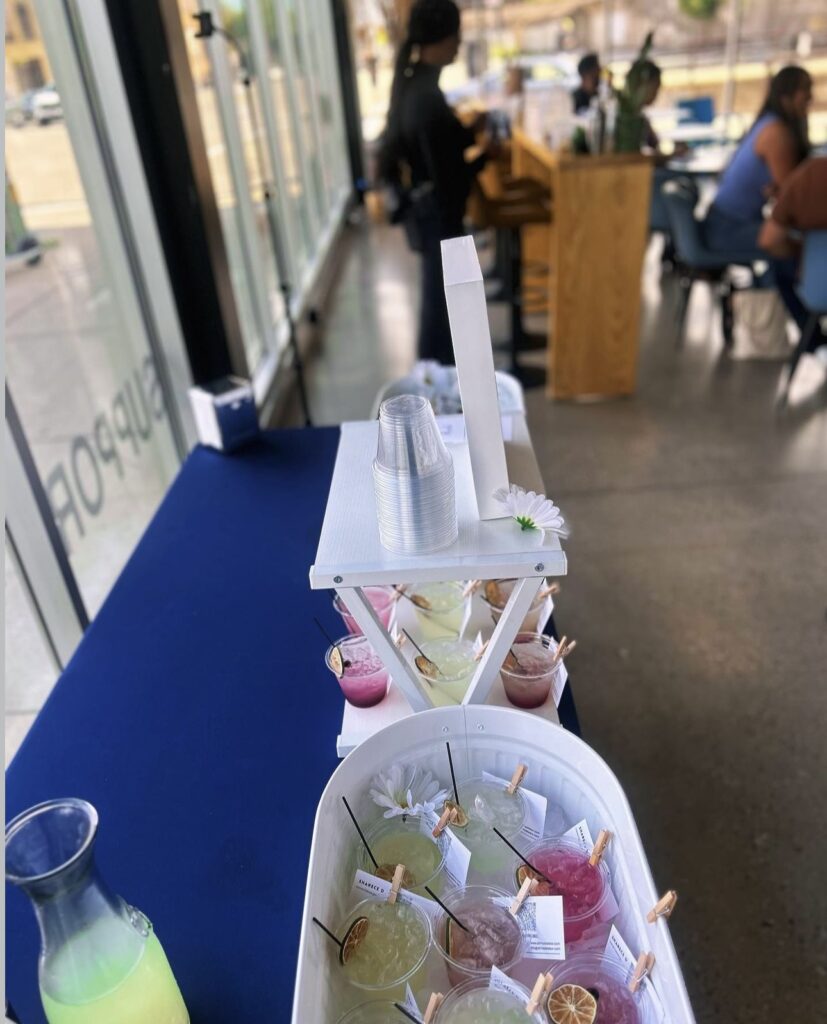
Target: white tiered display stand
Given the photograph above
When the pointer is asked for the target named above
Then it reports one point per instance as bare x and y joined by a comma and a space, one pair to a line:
560, 766
351, 557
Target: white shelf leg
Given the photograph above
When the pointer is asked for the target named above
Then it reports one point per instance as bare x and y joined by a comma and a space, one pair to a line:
403, 675
521, 599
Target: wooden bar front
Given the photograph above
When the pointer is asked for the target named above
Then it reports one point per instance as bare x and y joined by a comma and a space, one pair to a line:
594, 247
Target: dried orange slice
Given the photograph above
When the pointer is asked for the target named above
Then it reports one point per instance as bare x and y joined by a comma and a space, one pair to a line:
354, 935
523, 873
421, 602
386, 872
461, 819
426, 666
337, 662
493, 594
572, 1004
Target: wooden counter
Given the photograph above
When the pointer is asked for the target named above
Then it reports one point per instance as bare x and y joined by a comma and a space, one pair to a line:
595, 248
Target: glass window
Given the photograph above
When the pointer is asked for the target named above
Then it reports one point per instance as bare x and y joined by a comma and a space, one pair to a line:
31, 668
78, 361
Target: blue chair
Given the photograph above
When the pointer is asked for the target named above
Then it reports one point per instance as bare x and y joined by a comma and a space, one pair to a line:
695, 261
700, 110
812, 290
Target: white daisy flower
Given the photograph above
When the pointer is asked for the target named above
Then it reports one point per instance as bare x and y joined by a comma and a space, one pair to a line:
532, 511
407, 790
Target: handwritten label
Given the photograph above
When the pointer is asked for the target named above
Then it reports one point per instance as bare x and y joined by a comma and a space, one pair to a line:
457, 855
617, 950
365, 884
500, 982
535, 822
541, 919
409, 1002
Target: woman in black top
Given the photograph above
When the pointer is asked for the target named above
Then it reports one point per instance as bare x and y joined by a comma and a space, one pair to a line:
423, 148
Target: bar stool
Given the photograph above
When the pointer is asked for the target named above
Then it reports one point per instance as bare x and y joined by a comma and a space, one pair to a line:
507, 206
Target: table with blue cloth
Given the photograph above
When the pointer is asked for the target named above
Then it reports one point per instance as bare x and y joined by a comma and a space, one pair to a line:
199, 718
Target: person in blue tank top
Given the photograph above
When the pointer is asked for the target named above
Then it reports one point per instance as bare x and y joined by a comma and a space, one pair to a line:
771, 150
768, 154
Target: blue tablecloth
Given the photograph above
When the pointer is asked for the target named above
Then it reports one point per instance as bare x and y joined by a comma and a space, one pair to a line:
198, 717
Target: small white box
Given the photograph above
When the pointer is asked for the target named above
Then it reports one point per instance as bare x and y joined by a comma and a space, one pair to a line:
225, 413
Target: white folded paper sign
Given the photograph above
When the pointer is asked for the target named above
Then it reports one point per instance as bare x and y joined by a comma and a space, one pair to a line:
468, 316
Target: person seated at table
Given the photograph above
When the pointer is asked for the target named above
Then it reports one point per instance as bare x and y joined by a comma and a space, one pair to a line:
425, 143
651, 76
771, 150
801, 206
589, 70
775, 145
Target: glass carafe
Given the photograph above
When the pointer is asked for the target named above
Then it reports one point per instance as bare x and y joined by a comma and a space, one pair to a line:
100, 960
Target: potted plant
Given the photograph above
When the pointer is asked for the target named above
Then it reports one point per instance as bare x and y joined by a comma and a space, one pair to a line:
630, 128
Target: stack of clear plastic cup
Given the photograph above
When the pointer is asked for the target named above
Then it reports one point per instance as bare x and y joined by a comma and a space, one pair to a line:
413, 477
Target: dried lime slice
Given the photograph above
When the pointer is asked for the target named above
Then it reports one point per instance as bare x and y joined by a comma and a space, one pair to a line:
386, 872
421, 602
354, 935
337, 662
572, 1004
426, 667
461, 819
523, 873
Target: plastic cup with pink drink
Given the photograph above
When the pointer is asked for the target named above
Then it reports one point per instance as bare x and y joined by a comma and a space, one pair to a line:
491, 936
364, 679
606, 980
382, 600
564, 870
529, 671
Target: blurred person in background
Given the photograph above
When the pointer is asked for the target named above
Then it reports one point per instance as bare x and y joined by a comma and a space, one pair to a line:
767, 156
589, 70
422, 158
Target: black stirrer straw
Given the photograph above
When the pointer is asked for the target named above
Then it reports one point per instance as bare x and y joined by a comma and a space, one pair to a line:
453, 917
522, 858
361, 833
328, 932
453, 777
406, 1013
324, 632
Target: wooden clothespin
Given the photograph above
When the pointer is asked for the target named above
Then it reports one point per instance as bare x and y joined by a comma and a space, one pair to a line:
448, 816
642, 968
434, 1004
549, 591
664, 906
526, 889
516, 779
542, 987
471, 587
399, 590
599, 848
481, 651
396, 883
400, 640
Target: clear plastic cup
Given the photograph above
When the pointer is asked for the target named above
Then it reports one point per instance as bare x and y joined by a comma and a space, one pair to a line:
394, 948
455, 659
607, 979
473, 1002
447, 608
365, 679
410, 443
488, 805
529, 677
494, 937
382, 600
531, 622
585, 889
374, 1013
402, 840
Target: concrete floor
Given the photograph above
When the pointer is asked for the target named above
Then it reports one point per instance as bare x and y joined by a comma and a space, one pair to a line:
697, 592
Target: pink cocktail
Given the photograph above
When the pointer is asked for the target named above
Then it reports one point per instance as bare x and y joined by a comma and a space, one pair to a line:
364, 681
606, 980
529, 670
565, 871
382, 600
493, 938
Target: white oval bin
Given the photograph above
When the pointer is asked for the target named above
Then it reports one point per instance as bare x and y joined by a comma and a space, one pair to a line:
560, 766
